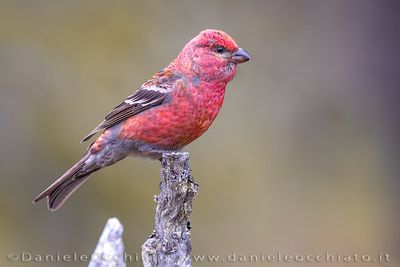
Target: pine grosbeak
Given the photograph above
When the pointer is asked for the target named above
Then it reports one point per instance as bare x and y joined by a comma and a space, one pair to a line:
172, 109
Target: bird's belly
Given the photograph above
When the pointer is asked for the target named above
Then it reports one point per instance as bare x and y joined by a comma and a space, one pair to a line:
174, 125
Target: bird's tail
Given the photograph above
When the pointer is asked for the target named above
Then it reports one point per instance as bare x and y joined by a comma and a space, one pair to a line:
58, 192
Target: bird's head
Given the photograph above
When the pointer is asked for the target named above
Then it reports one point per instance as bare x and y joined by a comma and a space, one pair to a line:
212, 54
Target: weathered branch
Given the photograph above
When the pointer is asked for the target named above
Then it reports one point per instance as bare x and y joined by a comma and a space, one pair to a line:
110, 250
169, 244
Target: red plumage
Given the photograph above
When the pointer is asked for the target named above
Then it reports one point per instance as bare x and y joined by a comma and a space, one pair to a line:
169, 111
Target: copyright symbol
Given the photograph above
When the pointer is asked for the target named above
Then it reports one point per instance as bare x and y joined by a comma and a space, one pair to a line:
12, 257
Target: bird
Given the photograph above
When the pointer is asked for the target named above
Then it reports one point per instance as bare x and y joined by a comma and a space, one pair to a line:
167, 112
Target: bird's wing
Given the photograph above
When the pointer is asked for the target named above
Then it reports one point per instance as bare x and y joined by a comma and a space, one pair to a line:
155, 92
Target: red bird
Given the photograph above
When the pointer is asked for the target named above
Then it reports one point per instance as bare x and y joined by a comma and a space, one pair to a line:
172, 109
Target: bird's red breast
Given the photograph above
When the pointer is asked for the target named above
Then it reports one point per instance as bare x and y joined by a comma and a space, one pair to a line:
188, 114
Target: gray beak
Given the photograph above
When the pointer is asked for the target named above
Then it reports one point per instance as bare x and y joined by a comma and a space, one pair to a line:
240, 56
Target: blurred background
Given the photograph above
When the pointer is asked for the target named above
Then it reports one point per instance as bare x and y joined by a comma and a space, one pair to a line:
303, 158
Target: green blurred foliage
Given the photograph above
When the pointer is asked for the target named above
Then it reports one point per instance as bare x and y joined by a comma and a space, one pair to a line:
302, 159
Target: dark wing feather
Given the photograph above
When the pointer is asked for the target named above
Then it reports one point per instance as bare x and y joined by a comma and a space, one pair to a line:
141, 100
154, 92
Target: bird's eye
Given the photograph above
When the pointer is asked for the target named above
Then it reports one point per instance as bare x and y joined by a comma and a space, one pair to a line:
220, 49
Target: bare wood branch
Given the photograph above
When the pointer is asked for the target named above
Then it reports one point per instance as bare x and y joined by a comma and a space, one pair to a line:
110, 249
170, 244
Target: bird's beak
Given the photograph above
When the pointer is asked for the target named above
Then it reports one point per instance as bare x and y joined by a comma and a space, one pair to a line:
240, 56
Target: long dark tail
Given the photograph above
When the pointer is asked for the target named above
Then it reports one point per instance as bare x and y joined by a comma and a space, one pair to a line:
58, 192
